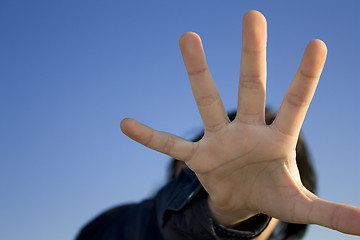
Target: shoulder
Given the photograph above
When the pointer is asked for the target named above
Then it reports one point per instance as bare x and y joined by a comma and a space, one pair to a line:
119, 222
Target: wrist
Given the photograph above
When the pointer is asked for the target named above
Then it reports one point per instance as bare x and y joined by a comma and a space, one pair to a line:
227, 217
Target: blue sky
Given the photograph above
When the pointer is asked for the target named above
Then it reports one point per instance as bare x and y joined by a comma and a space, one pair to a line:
71, 70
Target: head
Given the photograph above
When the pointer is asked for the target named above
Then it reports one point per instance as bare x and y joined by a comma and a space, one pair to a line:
282, 230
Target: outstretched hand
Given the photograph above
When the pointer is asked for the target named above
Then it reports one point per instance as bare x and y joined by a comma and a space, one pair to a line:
246, 166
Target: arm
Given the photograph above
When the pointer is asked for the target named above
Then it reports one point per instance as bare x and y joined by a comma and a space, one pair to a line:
246, 166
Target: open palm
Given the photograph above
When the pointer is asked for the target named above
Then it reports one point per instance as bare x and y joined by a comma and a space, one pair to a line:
246, 166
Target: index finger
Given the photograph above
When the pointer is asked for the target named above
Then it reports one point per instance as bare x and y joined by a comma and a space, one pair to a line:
205, 92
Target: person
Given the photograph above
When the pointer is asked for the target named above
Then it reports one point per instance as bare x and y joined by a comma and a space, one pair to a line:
100, 227
241, 177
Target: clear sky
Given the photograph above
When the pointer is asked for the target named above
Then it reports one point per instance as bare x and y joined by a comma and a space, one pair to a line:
71, 70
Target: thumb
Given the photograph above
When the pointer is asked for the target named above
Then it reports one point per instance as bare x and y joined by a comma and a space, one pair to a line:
340, 217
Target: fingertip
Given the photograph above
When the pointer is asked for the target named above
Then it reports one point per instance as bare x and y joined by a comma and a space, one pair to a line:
189, 39
254, 16
314, 58
125, 124
192, 52
317, 45
134, 130
254, 31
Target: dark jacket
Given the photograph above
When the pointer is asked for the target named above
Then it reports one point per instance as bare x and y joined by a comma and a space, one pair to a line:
178, 211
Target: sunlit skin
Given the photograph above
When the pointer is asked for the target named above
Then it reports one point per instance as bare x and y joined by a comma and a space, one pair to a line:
246, 166
179, 165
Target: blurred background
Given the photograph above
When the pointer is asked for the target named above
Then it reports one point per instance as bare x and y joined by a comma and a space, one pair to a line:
71, 70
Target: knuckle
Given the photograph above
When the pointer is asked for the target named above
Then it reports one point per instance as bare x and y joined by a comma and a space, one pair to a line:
169, 145
251, 82
194, 72
248, 118
207, 100
253, 51
149, 140
297, 100
309, 76
192, 152
215, 127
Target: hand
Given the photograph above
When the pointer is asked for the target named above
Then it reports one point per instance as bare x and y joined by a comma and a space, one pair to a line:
246, 166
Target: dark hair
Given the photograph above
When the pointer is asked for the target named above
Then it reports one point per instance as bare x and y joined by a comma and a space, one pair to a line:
283, 230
